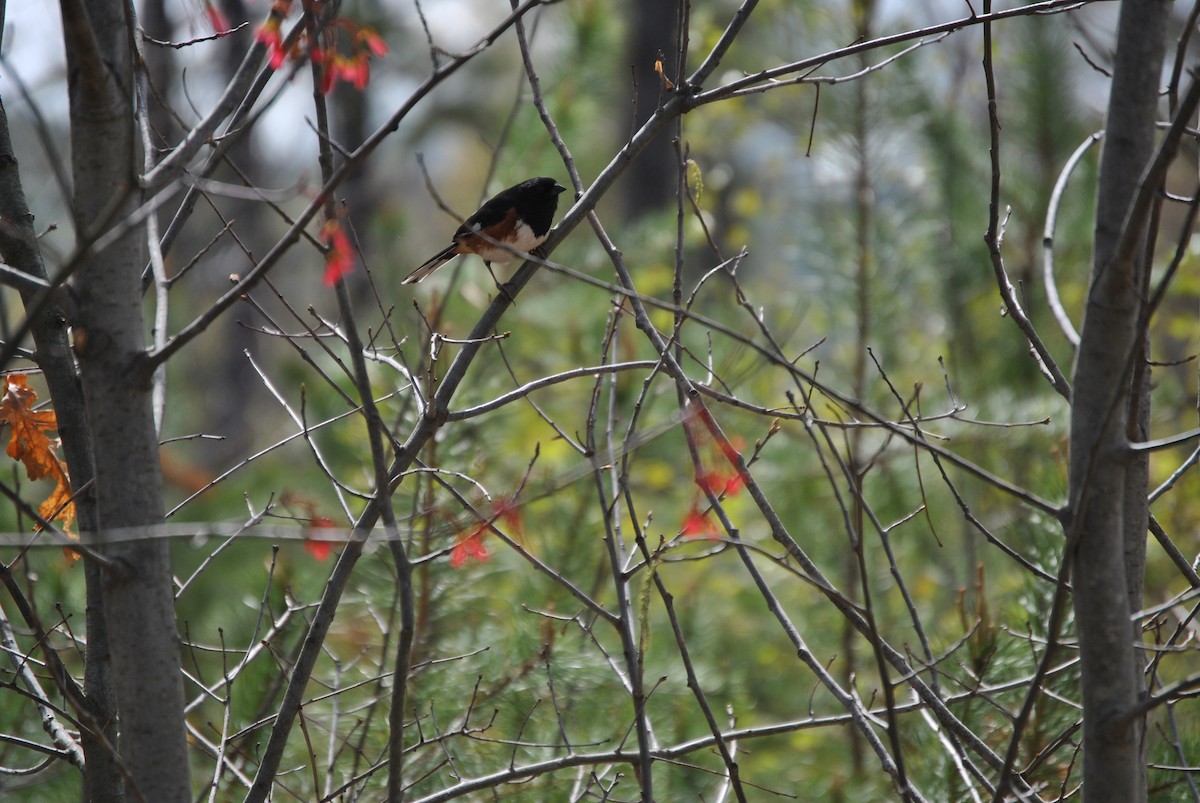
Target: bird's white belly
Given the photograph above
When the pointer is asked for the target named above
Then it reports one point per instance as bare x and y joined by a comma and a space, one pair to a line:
524, 240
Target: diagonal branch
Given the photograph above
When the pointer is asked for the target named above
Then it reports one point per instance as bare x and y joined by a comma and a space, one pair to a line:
994, 235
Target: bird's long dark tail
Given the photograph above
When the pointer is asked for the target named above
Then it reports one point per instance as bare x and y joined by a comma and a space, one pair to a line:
434, 262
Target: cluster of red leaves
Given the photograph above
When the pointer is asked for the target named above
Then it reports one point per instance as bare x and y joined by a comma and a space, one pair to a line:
33, 448
270, 33
470, 547
344, 49
353, 67
339, 256
717, 475
470, 544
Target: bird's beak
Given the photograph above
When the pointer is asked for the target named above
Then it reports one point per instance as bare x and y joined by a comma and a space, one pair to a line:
559, 188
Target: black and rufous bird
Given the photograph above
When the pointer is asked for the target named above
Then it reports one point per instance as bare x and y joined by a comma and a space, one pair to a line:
517, 219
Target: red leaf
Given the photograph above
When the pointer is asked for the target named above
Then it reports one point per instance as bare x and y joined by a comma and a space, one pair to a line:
696, 523
720, 483
269, 34
468, 548
216, 18
319, 548
372, 40
718, 456
339, 259
508, 513
710, 482
361, 72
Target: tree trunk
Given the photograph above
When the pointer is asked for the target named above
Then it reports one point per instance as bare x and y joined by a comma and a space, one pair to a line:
1108, 485
650, 183
110, 338
52, 351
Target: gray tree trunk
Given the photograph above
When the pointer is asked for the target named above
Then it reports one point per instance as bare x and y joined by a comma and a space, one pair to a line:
138, 604
1108, 486
52, 350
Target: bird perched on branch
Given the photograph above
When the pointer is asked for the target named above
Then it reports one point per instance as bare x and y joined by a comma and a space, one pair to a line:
517, 219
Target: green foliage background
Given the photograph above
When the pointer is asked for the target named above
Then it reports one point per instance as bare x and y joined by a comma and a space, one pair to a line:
504, 655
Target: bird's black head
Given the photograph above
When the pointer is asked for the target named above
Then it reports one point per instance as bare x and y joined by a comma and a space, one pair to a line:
543, 186
535, 200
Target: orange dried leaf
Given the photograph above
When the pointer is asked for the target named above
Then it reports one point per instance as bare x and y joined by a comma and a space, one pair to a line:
662, 76
28, 444
33, 448
58, 504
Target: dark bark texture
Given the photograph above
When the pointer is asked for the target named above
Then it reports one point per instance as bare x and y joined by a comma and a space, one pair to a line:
139, 601
1108, 496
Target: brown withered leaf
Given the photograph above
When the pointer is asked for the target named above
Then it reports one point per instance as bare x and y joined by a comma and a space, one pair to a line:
33, 448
